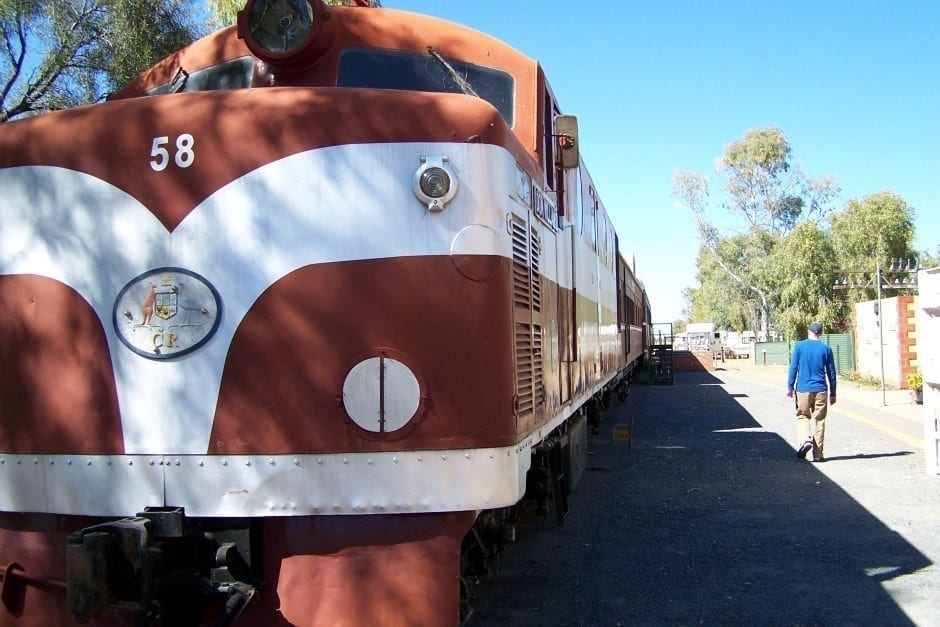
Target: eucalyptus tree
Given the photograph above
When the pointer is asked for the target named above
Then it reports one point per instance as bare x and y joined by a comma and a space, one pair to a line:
871, 233
62, 53
805, 281
723, 297
876, 228
766, 193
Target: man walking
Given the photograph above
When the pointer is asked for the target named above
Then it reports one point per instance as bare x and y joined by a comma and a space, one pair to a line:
812, 367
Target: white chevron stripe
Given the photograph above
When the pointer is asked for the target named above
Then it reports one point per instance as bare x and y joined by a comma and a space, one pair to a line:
328, 205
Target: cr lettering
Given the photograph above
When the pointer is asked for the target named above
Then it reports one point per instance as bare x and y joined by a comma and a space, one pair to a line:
167, 340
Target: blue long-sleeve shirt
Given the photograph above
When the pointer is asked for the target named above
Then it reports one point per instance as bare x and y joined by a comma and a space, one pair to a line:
811, 365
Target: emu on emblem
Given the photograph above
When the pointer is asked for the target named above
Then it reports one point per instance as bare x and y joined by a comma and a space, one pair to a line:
166, 312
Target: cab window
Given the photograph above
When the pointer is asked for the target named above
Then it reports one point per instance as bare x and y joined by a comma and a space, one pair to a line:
412, 71
234, 74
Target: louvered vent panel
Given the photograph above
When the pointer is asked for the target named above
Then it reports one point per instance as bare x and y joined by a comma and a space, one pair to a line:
537, 381
525, 373
520, 266
527, 296
536, 283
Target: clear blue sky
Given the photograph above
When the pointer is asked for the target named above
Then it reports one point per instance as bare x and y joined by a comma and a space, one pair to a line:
657, 86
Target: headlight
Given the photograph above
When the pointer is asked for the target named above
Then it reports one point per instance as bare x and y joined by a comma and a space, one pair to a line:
288, 34
280, 26
435, 184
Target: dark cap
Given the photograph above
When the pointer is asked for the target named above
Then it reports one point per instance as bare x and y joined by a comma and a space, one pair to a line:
815, 327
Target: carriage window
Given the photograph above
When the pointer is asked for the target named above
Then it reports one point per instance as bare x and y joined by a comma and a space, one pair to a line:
411, 71
234, 74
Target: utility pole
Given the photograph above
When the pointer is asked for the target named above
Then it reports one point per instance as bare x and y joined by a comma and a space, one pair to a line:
902, 275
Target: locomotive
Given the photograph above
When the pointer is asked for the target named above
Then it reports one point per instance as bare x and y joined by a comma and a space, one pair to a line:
288, 315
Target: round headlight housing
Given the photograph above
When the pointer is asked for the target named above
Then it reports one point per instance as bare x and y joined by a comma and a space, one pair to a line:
435, 184
288, 34
280, 26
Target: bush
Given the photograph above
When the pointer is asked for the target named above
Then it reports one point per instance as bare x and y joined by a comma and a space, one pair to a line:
915, 379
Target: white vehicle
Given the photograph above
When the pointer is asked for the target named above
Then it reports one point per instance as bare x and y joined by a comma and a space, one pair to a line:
703, 337
741, 344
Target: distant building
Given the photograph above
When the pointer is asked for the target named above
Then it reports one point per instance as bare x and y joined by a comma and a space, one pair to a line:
740, 345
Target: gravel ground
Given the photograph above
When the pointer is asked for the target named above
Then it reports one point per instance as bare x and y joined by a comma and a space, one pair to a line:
708, 518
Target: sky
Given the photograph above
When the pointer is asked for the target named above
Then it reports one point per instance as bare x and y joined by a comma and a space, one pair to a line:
661, 86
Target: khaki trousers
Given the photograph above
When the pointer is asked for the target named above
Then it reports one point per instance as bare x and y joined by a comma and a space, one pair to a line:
812, 406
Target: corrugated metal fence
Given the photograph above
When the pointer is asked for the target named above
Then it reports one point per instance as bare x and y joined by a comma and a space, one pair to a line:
842, 349
778, 353
772, 353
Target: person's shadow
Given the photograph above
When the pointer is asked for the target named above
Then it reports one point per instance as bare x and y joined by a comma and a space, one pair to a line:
867, 456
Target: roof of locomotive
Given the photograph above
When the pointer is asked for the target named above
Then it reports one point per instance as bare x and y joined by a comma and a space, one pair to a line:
359, 27
260, 114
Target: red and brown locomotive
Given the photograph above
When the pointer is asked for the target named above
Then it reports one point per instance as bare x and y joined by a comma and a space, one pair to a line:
284, 317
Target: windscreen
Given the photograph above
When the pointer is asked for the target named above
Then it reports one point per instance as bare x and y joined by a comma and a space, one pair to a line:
411, 71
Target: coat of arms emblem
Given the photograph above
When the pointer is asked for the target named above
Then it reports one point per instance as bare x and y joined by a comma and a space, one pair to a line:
166, 312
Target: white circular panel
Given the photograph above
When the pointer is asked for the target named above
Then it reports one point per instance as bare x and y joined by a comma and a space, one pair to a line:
381, 394
475, 251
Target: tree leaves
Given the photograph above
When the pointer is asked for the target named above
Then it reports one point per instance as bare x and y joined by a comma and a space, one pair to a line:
805, 280
62, 53
781, 273
879, 226
57, 54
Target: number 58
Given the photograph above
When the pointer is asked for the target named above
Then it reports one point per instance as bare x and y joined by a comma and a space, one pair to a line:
183, 157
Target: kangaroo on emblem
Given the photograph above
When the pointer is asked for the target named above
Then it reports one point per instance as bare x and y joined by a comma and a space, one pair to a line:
147, 307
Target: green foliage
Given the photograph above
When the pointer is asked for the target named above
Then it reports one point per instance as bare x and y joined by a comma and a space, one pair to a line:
875, 229
868, 234
764, 188
754, 168
805, 276
151, 31
740, 280
781, 272
728, 302
761, 152
61, 53
224, 12
915, 379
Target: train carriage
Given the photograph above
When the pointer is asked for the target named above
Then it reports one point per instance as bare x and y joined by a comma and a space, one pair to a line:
284, 316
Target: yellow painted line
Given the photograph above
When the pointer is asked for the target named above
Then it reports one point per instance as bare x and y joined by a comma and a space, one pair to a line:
880, 426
